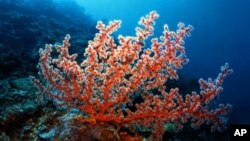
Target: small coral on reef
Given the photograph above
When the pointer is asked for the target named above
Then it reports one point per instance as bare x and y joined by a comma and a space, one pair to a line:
111, 75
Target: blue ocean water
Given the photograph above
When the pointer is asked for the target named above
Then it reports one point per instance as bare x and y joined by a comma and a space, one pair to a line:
221, 34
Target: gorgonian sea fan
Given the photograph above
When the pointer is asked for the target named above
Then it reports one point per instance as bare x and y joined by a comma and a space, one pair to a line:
112, 74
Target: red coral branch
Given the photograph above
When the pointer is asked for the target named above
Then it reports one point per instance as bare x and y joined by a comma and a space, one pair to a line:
111, 75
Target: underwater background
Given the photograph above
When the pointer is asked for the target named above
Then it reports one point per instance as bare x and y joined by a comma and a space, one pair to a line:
221, 34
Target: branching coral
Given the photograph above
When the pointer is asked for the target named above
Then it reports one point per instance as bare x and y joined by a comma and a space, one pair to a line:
110, 75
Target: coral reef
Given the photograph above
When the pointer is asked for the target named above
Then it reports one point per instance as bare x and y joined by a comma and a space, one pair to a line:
111, 75
25, 25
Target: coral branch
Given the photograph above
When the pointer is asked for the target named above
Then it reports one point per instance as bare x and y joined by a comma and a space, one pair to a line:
112, 75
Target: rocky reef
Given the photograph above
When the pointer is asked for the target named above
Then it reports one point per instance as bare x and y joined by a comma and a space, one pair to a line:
25, 25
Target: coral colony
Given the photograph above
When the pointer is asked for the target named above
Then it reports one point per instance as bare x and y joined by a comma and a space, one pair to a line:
111, 75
